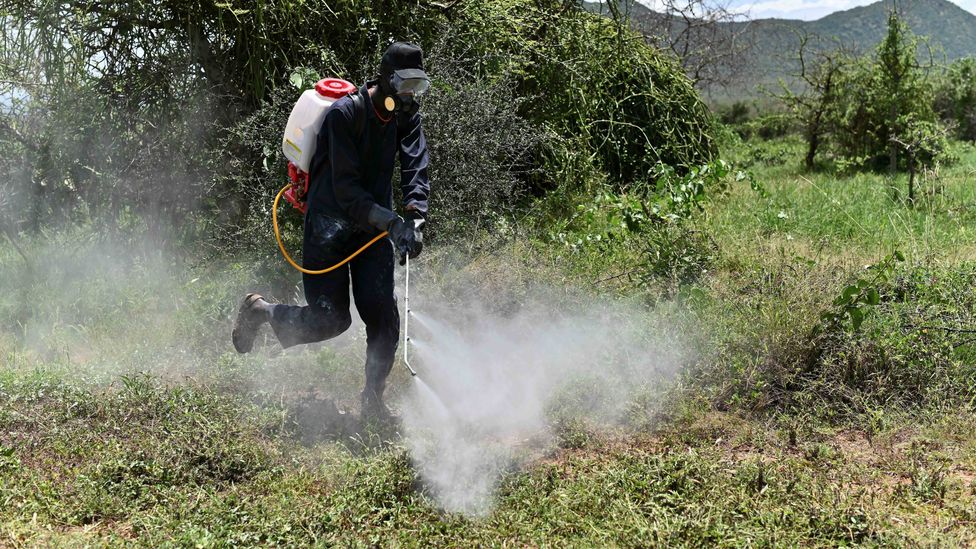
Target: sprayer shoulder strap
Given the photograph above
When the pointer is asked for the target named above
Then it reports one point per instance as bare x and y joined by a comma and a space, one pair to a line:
359, 108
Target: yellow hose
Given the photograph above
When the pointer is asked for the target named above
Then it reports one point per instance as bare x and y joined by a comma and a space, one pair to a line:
281, 245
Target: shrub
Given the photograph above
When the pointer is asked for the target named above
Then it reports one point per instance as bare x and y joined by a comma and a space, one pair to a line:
916, 351
254, 169
482, 151
898, 338
591, 81
881, 101
766, 127
955, 98
738, 112
653, 228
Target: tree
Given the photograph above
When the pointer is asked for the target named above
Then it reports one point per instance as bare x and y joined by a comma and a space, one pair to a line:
921, 142
125, 105
884, 100
901, 89
818, 74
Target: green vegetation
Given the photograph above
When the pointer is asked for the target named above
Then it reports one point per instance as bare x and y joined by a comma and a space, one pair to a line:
214, 91
787, 430
827, 319
884, 106
956, 98
710, 480
876, 111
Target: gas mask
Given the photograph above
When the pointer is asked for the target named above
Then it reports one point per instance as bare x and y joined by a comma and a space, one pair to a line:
403, 89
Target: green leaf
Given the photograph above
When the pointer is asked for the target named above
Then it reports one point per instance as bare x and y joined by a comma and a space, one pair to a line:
296, 80
849, 292
898, 256
874, 297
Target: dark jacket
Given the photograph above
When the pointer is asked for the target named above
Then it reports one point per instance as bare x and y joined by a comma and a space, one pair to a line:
350, 172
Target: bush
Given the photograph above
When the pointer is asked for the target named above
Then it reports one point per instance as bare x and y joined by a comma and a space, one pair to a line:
955, 98
677, 254
592, 81
653, 229
882, 101
481, 154
253, 170
892, 338
766, 127
481, 150
768, 153
738, 112
915, 351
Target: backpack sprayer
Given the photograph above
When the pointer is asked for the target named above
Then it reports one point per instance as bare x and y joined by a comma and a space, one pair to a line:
298, 144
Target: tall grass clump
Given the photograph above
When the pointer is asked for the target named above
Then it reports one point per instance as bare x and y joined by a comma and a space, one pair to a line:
884, 338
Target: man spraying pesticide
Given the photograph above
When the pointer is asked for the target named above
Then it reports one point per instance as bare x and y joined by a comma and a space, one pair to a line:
345, 189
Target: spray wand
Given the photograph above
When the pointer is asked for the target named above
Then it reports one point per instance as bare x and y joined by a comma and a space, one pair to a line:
406, 319
418, 223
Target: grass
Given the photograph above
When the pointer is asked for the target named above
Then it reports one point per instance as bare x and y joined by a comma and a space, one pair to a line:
861, 214
188, 466
172, 464
124, 419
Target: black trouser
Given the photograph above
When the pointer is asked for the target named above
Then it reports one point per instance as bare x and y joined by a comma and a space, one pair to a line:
327, 242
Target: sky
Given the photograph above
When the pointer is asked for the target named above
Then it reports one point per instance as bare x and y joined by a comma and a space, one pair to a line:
802, 9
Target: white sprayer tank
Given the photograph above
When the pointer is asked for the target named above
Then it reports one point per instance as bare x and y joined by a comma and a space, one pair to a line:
305, 121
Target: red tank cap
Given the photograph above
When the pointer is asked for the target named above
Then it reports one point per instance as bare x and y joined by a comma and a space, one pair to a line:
334, 88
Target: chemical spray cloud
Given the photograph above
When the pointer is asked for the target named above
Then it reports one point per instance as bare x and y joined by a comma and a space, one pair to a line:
492, 384
100, 306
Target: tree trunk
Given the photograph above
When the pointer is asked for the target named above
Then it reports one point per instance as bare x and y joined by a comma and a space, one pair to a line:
813, 142
13, 241
911, 178
892, 146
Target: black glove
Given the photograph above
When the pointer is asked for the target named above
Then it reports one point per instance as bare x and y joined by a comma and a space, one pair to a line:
407, 238
406, 235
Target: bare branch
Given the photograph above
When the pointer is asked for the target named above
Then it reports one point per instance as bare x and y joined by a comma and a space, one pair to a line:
814, 93
708, 39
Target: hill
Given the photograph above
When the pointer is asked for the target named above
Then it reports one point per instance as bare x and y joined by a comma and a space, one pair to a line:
950, 29
947, 25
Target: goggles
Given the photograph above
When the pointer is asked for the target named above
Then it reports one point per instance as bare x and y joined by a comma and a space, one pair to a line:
410, 82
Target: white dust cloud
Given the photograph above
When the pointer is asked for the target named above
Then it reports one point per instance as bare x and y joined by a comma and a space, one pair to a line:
492, 383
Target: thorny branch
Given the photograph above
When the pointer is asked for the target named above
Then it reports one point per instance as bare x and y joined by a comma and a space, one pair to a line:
710, 40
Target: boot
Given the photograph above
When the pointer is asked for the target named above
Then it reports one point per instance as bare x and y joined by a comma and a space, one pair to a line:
252, 314
373, 409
